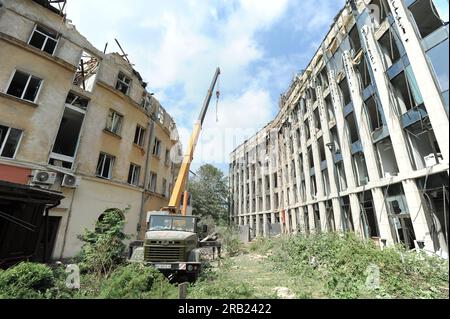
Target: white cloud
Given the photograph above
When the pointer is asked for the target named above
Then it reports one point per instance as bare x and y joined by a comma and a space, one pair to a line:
176, 46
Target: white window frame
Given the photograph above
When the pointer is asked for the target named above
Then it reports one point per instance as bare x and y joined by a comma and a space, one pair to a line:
155, 188
26, 86
158, 150
136, 171
141, 138
114, 123
46, 38
128, 85
161, 115
2, 146
113, 160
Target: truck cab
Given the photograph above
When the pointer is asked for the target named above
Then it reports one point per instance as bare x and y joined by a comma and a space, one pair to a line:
171, 245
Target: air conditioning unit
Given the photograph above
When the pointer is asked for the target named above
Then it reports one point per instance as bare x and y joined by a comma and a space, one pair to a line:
44, 177
431, 160
70, 181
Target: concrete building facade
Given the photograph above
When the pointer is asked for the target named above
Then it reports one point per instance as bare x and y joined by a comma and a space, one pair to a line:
76, 120
360, 142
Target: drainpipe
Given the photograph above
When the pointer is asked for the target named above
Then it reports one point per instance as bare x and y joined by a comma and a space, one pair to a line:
151, 127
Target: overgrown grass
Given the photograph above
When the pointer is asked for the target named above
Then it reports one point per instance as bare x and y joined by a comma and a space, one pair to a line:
347, 267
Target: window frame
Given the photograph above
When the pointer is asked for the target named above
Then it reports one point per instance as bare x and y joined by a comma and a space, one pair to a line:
122, 82
153, 188
120, 116
155, 143
26, 86
58, 37
141, 137
135, 171
110, 173
8, 133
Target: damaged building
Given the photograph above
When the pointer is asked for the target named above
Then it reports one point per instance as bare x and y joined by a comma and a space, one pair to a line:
79, 131
361, 140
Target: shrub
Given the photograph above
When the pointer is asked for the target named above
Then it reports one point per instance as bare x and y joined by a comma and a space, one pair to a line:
230, 241
26, 281
136, 281
103, 248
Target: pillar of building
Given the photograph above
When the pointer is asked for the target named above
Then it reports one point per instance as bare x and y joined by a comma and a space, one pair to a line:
382, 212
323, 112
298, 172
317, 167
428, 87
344, 141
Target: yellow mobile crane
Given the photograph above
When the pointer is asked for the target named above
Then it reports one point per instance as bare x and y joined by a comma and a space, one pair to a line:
172, 240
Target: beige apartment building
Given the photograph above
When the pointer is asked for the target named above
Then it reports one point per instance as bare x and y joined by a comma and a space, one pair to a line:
76, 120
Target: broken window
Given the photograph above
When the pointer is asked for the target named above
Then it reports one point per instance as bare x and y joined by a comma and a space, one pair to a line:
324, 78
386, 158
429, 15
342, 178
317, 222
105, 166
307, 129
68, 137
123, 83
167, 158
389, 44
139, 136
303, 191
368, 217
360, 168
114, 122
44, 39
306, 219
24, 86
317, 119
313, 187
310, 157
9, 141
354, 39
78, 101
322, 150
86, 73
374, 114
335, 141
352, 128
330, 111
331, 224
345, 92
382, 12
153, 182
406, 90
363, 73
347, 219
400, 216
134, 174
438, 57
146, 103
156, 148
423, 146
164, 187
326, 182
160, 115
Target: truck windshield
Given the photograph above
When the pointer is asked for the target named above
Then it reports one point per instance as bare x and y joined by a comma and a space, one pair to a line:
172, 223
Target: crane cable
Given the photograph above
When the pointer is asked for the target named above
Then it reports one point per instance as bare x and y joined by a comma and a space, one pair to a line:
217, 100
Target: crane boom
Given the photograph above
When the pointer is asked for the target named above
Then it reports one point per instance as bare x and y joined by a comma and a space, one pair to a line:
183, 174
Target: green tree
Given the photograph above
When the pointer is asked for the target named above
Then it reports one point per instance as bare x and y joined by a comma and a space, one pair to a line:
209, 193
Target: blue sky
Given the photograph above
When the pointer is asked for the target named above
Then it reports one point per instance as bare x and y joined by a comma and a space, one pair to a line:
176, 45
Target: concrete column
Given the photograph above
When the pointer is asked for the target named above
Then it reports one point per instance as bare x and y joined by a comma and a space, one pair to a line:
387, 99
332, 172
265, 224
306, 164
312, 223
250, 185
382, 215
427, 83
345, 146
356, 213
240, 195
337, 210
317, 167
